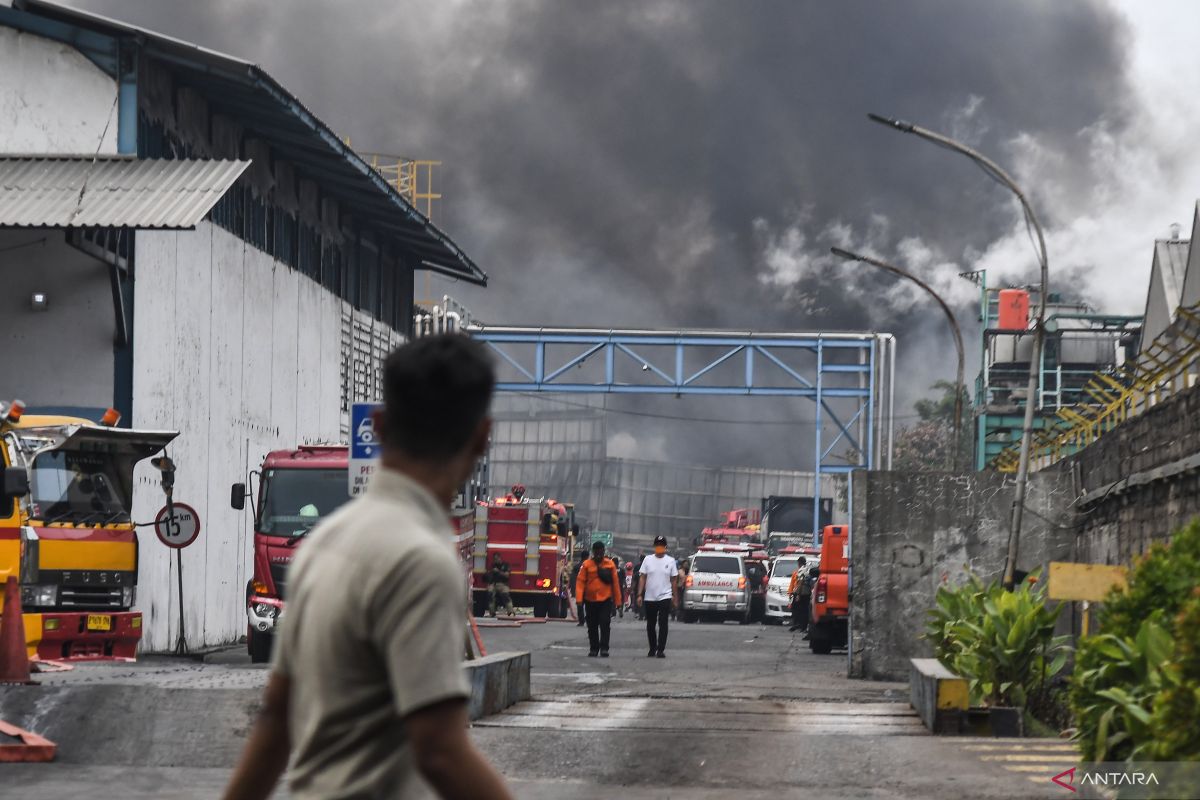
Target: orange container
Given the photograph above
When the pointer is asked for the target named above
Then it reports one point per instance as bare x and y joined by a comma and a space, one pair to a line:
1014, 310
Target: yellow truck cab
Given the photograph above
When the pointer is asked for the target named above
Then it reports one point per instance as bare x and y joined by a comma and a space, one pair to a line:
66, 530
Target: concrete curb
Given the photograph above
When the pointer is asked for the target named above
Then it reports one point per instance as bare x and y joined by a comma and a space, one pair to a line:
938, 695
497, 682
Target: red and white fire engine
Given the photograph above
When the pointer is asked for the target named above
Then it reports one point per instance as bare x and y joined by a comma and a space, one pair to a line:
535, 537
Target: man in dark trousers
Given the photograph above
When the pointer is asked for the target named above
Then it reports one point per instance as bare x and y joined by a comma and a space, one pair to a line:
367, 693
658, 593
598, 587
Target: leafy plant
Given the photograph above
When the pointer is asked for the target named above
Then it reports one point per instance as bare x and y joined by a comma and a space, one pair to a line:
1174, 733
1135, 691
1159, 584
1113, 689
952, 604
1002, 642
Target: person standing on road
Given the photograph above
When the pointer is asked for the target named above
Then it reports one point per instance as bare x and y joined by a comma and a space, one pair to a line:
799, 598
598, 587
658, 594
498, 592
367, 688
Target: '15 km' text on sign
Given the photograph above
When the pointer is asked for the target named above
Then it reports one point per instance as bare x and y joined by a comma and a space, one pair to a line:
364, 447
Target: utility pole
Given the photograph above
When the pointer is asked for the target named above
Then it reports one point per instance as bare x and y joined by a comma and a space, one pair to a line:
1032, 398
958, 342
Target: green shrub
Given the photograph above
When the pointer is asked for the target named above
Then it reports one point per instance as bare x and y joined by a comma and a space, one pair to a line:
1135, 691
1175, 723
1159, 584
1002, 642
951, 605
1113, 689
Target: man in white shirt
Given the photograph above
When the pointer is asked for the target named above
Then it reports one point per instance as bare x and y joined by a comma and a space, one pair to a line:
658, 593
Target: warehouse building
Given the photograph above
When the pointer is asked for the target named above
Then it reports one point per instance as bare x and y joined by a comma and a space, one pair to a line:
183, 240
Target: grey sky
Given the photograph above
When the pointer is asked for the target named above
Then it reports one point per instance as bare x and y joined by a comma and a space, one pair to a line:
677, 164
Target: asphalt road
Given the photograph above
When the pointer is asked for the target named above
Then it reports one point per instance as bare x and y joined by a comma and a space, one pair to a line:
735, 710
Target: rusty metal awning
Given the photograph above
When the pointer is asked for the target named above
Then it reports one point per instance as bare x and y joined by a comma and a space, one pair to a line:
111, 191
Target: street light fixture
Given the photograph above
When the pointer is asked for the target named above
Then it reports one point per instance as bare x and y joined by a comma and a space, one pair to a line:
993, 171
958, 343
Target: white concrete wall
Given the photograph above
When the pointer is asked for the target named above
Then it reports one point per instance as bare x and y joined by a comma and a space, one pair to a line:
241, 354
52, 99
62, 356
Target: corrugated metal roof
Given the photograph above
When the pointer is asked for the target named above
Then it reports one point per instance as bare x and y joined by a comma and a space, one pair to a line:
247, 94
111, 192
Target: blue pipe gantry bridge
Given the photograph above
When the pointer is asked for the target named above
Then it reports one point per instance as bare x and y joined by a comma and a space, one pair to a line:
847, 376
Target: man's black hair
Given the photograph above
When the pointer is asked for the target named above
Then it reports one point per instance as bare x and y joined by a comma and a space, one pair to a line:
597, 547
435, 392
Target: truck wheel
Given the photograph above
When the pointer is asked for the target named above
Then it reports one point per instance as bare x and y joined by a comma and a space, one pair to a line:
539, 606
819, 641
259, 645
479, 601
687, 617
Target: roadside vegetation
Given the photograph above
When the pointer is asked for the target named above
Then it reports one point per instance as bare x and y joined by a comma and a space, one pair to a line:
1002, 642
1134, 691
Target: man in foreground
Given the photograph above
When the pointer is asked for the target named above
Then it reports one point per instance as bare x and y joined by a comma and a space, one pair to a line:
367, 683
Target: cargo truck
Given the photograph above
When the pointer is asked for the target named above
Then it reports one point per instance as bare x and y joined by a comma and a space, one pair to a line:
788, 522
296, 489
67, 533
830, 606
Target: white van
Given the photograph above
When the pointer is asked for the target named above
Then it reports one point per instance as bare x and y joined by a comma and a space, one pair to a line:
716, 586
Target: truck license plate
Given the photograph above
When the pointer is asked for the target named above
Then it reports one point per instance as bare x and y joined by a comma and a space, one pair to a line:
714, 598
99, 622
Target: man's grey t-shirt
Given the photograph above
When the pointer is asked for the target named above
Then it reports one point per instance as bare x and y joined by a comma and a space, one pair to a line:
373, 631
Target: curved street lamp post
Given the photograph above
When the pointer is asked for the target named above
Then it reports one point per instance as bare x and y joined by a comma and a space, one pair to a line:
958, 343
997, 174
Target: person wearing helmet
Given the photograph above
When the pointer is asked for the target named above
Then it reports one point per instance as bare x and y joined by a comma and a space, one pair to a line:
658, 594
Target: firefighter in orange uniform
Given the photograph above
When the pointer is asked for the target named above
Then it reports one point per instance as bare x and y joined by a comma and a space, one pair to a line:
598, 587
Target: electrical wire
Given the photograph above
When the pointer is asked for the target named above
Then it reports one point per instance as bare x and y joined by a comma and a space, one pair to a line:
681, 418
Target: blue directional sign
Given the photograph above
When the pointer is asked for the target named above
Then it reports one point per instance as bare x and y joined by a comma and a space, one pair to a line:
364, 447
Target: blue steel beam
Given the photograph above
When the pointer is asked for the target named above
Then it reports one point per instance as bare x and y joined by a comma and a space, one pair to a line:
605, 345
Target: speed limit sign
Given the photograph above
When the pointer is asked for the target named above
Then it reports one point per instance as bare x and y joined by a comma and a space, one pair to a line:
178, 529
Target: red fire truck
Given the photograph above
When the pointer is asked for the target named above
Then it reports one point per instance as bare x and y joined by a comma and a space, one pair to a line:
296, 488
739, 526
535, 537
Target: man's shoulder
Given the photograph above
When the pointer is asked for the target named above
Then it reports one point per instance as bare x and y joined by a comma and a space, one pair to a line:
380, 534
